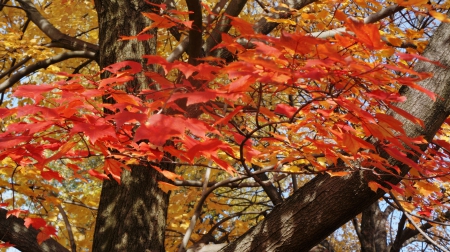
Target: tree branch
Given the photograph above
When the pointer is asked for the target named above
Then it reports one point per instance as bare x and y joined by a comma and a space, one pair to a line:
336, 200
13, 231
54, 34
415, 224
73, 246
43, 64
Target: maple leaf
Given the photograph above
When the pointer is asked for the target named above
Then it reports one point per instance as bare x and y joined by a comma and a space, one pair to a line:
46, 233
160, 128
368, 34
33, 91
49, 174
36, 223
286, 110
97, 174
16, 212
93, 131
12, 141
132, 67
166, 187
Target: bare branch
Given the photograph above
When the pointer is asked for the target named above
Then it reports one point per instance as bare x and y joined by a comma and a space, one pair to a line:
54, 34
73, 246
197, 213
43, 64
418, 228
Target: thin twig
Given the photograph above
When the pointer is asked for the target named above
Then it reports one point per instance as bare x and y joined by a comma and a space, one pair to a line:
415, 224
73, 246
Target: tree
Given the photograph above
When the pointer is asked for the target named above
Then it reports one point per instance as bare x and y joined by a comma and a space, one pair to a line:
323, 95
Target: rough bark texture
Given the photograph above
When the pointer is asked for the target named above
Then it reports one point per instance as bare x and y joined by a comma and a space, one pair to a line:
13, 231
132, 215
373, 237
326, 203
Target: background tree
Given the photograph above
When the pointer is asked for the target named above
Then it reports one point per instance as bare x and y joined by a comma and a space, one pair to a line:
246, 126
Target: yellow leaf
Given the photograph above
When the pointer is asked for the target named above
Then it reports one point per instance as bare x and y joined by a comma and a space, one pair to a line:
281, 21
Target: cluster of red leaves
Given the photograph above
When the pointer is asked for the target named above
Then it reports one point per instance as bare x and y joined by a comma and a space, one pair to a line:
295, 97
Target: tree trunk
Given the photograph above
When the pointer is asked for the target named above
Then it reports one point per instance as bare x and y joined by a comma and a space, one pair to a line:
373, 234
132, 215
325, 203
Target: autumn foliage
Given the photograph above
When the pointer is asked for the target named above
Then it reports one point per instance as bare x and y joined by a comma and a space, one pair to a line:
286, 104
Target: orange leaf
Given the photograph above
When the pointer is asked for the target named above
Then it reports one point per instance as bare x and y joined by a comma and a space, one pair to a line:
367, 34
122, 97
114, 167
166, 187
374, 186
338, 174
439, 16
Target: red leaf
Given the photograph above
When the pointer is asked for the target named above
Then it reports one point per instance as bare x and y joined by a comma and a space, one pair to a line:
139, 37
407, 115
411, 56
400, 156
194, 97
16, 212
12, 141
286, 110
244, 27
46, 232
33, 91
160, 128
134, 67
36, 223
228, 117
97, 174
49, 175
93, 131
125, 116
6, 245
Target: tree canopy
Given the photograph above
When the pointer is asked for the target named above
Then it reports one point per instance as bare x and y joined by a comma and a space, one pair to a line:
269, 124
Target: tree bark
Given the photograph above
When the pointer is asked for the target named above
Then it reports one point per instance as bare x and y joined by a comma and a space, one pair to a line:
373, 229
326, 203
132, 215
13, 231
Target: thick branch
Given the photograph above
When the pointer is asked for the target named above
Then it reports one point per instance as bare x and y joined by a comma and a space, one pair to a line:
13, 231
44, 64
54, 34
195, 34
335, 200
223, 25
